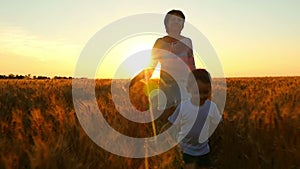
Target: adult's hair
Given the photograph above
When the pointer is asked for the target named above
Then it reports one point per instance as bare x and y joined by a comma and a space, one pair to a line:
175, 13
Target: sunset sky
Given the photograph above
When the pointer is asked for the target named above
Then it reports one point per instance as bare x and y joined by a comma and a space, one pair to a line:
251, 38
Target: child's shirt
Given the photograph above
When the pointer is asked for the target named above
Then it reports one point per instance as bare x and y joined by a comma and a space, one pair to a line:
195, 122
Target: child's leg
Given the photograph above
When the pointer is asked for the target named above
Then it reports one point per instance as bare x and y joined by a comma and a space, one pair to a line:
189, 161
190, 166
203, 162
197, 162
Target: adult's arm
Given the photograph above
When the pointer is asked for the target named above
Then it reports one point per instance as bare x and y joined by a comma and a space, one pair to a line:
191, 60
154, 59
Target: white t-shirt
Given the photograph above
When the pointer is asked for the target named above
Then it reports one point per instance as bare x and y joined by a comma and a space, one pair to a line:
195, 124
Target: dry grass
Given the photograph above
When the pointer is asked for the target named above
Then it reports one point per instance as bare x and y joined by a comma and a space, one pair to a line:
39, 127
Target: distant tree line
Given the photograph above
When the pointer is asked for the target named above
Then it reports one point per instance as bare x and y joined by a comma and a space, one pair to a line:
12, 76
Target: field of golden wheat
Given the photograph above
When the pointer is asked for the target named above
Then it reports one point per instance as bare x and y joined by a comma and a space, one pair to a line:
39, 127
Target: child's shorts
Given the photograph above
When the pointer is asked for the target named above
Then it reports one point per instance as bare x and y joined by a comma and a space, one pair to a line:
201, 161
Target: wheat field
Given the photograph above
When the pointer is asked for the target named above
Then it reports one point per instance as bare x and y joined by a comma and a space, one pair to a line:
39, 127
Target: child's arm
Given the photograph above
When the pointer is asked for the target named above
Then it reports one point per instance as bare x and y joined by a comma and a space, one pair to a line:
165, 127
174, 119
215, 118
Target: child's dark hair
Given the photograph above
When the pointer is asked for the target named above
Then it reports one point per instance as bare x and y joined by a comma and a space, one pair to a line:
202, 75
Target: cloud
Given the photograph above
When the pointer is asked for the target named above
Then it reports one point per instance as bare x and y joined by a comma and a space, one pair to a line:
25, 43
21, 47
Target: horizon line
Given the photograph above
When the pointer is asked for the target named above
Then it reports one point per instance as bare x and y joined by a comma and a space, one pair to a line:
29, 76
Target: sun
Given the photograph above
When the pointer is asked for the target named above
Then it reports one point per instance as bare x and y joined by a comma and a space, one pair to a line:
128, 57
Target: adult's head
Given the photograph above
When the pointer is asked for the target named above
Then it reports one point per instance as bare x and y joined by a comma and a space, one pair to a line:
174, 21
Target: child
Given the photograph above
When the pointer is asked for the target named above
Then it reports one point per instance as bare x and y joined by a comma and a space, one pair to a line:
196, 117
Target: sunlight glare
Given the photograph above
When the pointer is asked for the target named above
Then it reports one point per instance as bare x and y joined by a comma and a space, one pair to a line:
130, 55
